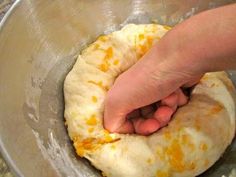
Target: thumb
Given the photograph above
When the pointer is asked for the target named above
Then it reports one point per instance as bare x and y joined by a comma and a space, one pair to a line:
144, 83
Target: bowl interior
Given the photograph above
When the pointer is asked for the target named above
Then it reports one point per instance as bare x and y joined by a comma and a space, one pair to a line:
39, 44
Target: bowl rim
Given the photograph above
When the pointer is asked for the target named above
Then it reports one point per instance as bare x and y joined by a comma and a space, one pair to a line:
4, 153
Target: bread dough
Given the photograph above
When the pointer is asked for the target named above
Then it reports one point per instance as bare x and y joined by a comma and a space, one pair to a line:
192, 142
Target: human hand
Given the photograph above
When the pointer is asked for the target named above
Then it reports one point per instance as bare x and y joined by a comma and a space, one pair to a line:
149, 119
180, 58
156, 80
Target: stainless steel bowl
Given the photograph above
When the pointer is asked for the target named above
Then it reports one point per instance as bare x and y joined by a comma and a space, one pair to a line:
39, 41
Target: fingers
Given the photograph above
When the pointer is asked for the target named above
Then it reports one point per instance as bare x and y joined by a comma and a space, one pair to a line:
171, 100
115, 116
159, 119
177, 98
146, 82
145, 126
163, 115
149, 119
169, 105
126, 127
182, 99
129, 93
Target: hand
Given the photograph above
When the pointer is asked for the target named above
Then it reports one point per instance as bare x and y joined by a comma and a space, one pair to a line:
204, 43
153, 81
150, 118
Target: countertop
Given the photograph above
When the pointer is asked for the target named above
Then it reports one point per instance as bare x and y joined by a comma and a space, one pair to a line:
4, 6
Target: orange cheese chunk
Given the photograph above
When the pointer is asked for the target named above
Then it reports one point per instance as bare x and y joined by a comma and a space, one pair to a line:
104, 67
109, 53
203, 146
116, 62
96, 46
103, 38
91, 129
215, 109
162, 173
92, 120
94, 99
99, 84
141, 36
167, 27
176, 156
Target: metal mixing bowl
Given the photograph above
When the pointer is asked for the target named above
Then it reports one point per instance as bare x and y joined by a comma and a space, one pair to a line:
39, 41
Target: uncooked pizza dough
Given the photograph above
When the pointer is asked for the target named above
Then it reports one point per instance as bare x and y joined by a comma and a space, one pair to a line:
192, 142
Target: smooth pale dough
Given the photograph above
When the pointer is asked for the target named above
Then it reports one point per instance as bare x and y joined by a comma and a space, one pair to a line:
192, 142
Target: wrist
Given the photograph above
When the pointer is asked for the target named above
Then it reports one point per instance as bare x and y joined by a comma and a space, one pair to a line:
198, 46
177, 55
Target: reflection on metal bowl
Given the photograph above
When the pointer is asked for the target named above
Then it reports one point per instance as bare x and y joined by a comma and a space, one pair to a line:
39, 43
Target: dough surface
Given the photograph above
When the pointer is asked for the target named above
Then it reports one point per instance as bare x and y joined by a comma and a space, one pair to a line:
192, 142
